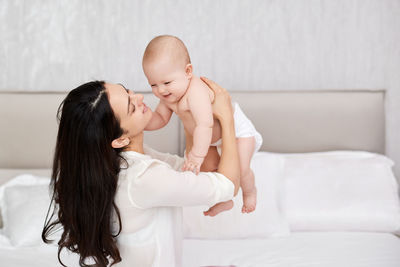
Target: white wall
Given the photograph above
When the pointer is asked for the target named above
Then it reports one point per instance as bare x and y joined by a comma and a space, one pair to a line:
244, 45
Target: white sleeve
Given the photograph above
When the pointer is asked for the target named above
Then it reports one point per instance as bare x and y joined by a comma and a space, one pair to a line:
174, 161
160, 185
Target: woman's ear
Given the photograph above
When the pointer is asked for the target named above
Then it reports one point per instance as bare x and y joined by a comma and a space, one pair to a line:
120, 142
189, 70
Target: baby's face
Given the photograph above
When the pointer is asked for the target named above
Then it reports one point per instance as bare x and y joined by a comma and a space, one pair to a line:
168, 80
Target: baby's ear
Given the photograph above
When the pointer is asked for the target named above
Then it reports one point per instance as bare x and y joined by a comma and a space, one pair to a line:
189, 70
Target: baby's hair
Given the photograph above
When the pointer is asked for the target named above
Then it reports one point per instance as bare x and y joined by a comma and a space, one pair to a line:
167, 45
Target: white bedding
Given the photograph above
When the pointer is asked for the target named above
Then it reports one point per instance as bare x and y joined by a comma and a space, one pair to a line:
346, 247
301, 249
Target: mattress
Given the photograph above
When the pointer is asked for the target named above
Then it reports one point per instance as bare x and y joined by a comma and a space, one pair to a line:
301, 249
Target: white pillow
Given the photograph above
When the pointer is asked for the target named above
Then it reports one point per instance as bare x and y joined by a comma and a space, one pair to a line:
341, 191
266, 221
24, 203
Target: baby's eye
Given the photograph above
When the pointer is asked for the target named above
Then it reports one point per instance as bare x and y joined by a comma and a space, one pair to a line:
167, 83
152, 85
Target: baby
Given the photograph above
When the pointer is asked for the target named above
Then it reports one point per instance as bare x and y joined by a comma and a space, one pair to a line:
166, 64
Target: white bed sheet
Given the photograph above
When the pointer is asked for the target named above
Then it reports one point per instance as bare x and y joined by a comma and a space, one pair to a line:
301, 249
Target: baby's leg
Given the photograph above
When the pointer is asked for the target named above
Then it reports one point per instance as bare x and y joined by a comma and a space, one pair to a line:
210, 164
246, 149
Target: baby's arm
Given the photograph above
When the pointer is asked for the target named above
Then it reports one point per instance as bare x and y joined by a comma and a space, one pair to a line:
200, 107
161, 117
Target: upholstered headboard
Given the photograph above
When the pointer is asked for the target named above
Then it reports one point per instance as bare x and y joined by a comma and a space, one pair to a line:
289, 121
310, 121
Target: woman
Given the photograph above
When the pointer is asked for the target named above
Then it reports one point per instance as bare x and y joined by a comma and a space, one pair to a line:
118, 201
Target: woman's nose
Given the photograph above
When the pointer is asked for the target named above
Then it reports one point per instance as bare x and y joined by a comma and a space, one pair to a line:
139, 99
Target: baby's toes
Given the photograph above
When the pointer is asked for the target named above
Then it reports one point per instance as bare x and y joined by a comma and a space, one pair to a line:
244, 209
250, 201
250, 208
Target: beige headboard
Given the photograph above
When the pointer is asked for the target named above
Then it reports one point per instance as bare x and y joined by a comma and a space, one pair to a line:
291, 121
310, 121
29, 129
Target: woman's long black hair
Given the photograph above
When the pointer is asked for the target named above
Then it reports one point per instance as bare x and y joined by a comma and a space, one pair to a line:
85, 176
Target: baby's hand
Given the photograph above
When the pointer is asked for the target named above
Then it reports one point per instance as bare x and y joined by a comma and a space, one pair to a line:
192, 163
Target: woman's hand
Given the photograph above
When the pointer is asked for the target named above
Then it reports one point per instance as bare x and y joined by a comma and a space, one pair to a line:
222, 107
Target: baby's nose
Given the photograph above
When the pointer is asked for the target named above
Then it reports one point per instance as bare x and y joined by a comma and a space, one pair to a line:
161, 89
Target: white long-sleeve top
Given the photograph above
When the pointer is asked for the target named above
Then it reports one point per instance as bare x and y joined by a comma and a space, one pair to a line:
150, 196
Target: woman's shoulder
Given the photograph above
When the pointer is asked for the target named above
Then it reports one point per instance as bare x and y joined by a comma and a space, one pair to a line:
149, 154
174, 161
136, 164
134, 159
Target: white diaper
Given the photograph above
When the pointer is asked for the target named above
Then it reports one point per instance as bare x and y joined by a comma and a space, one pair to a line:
243, 128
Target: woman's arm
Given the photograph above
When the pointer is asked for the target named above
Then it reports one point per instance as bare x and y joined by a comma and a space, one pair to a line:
161, 186
222, 109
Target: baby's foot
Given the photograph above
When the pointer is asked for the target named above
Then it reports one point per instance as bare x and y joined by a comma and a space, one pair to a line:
249, 201
219, 207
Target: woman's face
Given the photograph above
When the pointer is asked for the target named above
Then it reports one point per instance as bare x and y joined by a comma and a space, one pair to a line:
129, 109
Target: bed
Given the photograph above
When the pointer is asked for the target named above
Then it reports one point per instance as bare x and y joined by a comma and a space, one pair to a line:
326, 192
